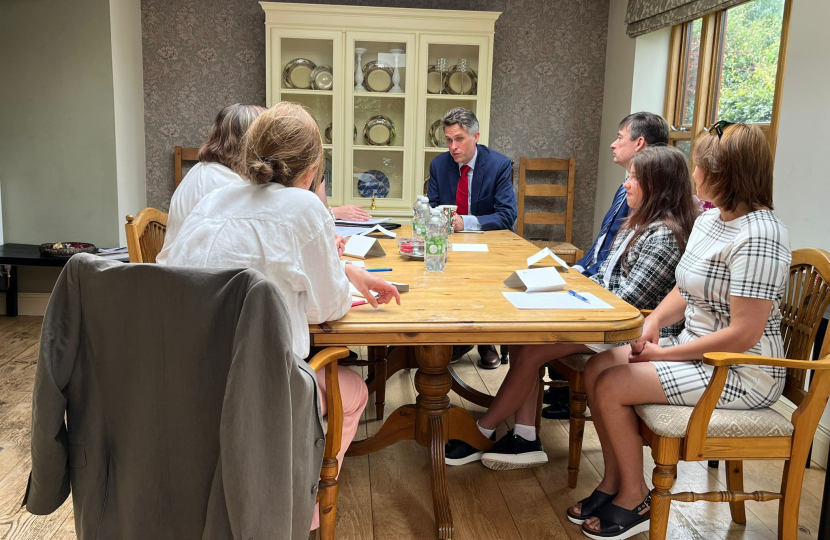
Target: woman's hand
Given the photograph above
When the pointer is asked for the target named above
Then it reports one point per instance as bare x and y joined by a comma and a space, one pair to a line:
650, 352
651, 334
351, 212
340, 244
365, 282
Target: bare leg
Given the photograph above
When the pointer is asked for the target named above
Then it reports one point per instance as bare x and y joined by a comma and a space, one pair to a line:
521, 384
616, 391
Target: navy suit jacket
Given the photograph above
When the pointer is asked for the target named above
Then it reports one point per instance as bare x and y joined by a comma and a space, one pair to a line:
492, 200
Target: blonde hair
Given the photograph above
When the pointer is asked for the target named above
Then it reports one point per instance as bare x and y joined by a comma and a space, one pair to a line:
737, 167
282, 146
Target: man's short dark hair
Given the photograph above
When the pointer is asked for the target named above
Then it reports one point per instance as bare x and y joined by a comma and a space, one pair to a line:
651, 127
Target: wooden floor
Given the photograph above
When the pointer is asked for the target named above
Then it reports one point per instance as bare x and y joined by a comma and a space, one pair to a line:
386, 496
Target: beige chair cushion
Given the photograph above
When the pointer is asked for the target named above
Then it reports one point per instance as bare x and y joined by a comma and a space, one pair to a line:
671, 421
576, 361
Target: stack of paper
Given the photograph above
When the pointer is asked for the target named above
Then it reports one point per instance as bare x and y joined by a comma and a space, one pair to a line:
554, 300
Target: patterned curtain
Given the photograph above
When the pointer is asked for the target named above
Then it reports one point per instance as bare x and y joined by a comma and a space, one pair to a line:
644, 16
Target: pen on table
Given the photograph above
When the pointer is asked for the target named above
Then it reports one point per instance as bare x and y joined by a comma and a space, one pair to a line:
577, 295
378, 269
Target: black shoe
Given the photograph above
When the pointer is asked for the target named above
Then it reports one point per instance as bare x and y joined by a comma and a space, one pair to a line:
556, 395
457, 452
458, 352
514, 452
556, 411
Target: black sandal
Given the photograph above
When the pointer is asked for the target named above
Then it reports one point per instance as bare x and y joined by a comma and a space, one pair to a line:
590, 505
618, 523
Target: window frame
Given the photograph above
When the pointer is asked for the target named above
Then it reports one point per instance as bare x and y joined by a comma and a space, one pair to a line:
706, 86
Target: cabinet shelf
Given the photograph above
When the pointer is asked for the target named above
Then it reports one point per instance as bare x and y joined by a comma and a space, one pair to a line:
379, 148
378, 95
452, 97
299, 92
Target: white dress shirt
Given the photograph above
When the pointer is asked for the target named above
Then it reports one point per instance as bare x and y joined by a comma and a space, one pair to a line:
285, 233
471, 222
200, 180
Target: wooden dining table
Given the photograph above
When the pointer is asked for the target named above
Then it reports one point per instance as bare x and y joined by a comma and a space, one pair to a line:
462, 305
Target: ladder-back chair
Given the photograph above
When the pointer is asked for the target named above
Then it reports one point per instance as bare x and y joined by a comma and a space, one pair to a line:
183, 154
145, 235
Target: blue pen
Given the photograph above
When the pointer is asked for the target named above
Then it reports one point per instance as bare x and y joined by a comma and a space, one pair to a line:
577, 295
378, 269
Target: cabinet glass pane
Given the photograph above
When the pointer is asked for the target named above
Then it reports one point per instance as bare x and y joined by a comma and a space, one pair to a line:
429, 155
319, 106
377, 61
327, 172
378, 172
379, 121
437, 107
455, 65
307, 64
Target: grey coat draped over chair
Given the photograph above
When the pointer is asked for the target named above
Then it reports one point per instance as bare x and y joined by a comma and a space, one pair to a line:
187, 415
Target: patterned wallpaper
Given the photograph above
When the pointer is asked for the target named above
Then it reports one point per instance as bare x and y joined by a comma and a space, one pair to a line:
549, 64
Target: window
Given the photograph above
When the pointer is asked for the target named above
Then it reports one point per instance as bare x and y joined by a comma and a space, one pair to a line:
727, 65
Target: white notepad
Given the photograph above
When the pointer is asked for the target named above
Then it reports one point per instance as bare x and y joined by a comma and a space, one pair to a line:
536, 280
367, 222
533, 259
554, 300
482, 248
362, 246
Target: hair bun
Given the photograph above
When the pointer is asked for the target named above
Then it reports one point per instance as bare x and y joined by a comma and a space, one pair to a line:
260, 172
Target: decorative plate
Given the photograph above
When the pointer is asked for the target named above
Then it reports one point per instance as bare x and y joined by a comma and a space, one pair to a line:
377, 76
458, 83
436, 135
327, 174
434, 80
327, 134
66, 249
321, 78
373, 182
297, 73
379, 131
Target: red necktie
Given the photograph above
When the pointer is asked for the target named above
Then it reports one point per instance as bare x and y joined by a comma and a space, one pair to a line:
462, 191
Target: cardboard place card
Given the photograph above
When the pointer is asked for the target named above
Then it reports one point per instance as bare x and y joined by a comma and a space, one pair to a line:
360, 247
402, 287
377, 229
536, 280
533, 259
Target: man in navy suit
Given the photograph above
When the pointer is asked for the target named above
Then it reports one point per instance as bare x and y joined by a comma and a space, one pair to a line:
478, 181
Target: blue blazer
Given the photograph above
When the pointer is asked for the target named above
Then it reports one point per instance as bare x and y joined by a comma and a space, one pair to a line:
492, 200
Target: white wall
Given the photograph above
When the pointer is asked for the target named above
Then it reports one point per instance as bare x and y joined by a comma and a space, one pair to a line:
128, 93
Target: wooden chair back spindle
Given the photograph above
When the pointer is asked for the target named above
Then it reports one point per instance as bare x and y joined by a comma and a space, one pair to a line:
145, 235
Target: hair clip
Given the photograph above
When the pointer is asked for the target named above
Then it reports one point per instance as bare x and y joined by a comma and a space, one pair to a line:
264, 160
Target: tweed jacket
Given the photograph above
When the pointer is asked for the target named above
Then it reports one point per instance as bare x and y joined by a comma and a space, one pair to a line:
649, 269
187, 415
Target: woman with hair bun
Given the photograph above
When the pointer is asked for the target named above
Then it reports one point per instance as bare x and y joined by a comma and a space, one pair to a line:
274, 224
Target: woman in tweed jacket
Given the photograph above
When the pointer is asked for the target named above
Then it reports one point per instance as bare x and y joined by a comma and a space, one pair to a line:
640, 270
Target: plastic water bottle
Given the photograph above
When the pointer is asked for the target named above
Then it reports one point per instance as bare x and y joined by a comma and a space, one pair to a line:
436, 242
418, 228
424, 213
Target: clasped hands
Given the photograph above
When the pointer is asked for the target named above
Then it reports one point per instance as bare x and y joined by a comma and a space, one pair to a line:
645, 347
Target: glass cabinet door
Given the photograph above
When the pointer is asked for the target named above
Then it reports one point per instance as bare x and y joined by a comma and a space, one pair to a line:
309, 71
454, 73
380, 111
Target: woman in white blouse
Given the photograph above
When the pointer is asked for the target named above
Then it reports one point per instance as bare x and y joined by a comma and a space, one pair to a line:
274, 224
730, 283
218, 158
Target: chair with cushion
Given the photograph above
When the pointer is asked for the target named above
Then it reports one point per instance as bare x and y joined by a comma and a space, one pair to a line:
145, 235
183, 154
564, 249
704, 433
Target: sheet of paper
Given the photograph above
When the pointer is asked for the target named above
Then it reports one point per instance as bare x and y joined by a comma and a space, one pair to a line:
358, 294
360, 247
377, 229
533, 259
482, 248
536, 279
359, 264
368, 222
346, 232
469, 232
554, 300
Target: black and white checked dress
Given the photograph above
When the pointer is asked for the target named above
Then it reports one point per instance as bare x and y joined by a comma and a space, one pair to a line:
748, 257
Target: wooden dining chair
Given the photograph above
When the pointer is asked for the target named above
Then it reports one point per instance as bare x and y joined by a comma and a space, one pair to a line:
183, 154
564, 249
328, 488
145, 235
702, 432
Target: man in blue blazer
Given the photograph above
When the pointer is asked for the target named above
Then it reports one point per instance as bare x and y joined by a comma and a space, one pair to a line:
478, 181
485, 199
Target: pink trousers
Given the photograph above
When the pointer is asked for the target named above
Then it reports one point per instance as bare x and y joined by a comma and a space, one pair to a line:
355, 395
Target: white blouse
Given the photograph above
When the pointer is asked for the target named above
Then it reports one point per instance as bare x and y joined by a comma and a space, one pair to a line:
200, 180
285, 233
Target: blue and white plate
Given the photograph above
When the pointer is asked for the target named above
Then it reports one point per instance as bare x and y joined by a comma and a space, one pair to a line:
373, 182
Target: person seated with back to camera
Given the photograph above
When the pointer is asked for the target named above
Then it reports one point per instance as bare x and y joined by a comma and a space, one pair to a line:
478, 181
274, 224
